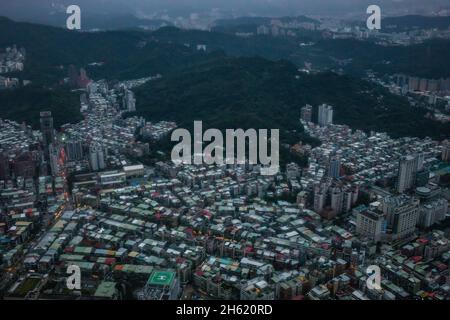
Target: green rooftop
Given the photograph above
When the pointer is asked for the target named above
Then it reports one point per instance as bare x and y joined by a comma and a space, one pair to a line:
106, 289
161, 278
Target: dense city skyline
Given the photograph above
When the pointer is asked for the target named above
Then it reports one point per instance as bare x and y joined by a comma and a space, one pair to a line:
189, 151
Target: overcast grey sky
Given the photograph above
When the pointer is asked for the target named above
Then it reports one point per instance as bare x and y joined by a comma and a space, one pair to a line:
22, 9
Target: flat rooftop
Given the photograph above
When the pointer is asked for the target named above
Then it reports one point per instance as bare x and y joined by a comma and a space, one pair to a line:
161, 278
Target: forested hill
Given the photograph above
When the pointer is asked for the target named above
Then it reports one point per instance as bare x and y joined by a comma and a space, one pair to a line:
230, 91
257, 93
130, 53
125, 54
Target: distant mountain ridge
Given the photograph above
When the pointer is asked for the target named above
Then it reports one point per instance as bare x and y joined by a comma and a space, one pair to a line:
106, 22
126, 54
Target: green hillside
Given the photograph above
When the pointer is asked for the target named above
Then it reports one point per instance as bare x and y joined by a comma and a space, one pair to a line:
24, 104
126, 54
257, 93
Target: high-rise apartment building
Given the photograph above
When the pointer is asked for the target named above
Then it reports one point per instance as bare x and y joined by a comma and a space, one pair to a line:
337, 200
48, 132
406, 173
325, 116
129, 101
369, 223
334, 170
96, 157
306, 113
402, 215
320, 197
433, 212
74, 150
446, 151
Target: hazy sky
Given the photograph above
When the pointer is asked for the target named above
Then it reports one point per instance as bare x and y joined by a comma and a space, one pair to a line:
25, 9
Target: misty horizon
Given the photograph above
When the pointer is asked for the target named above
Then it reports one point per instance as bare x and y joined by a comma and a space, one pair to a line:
47, 11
